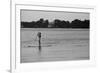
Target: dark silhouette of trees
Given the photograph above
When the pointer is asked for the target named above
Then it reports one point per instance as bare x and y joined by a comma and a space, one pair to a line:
61, 24
46, 23
27, 25
86, 23
80, 24
41, 23
68, 24
76, 23
57, 23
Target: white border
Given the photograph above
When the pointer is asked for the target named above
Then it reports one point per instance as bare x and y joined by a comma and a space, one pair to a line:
15, 39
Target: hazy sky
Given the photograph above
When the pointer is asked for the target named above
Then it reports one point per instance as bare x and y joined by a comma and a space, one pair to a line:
34, 15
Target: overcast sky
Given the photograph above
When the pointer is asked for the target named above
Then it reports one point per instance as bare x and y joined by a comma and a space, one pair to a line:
33, 15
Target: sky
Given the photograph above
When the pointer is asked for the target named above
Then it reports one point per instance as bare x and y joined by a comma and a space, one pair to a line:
34, 15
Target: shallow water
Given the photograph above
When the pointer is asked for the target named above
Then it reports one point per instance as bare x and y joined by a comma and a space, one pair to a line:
57, 45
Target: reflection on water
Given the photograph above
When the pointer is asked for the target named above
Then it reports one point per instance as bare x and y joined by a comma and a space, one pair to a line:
57, 45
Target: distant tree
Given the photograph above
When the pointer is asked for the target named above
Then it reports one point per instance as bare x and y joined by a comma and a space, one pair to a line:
46, 23
57, 23
41, 23
80, 24
86, 24
67, 24
62, 24
76, 23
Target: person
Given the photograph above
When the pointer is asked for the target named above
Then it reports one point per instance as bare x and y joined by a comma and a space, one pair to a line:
39, 36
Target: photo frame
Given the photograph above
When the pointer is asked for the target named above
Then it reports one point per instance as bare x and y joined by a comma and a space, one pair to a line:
17, 66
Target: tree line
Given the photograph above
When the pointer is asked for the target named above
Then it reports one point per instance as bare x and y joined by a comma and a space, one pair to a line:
41, 23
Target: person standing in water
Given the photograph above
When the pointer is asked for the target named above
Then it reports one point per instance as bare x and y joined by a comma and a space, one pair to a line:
39, 36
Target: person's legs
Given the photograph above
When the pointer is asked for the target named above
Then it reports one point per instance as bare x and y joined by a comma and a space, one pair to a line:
40, 44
